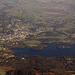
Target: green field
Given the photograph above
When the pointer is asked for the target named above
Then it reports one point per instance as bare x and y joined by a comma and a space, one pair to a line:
2, 72
32, 42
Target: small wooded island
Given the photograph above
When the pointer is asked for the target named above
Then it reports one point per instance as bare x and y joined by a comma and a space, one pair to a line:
63, 46
39, 47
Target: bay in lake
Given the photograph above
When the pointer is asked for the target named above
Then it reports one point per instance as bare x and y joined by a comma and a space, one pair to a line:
50, 51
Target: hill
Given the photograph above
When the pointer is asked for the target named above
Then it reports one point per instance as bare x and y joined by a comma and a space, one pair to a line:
45, 20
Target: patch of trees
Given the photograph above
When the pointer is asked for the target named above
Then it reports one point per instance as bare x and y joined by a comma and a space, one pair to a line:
41, 64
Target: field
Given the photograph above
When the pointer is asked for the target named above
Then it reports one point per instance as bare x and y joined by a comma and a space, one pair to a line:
2, 72
32, 43
4, 69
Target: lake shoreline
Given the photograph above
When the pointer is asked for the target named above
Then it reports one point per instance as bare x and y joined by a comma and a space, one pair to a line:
53, 46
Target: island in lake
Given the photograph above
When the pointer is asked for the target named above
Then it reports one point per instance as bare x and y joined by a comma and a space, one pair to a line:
39, 47
63, 46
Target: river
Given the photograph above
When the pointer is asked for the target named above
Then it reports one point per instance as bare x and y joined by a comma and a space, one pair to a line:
50, 51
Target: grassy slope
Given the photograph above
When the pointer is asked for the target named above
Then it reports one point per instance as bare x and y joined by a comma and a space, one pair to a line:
2, 72
32, 43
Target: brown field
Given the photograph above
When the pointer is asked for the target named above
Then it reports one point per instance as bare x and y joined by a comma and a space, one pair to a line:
73, 35
4, 68
53, 13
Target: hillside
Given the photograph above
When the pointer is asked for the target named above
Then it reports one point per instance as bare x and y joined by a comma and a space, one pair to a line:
44, 21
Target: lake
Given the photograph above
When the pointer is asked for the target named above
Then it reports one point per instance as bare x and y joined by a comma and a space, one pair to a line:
50, 51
